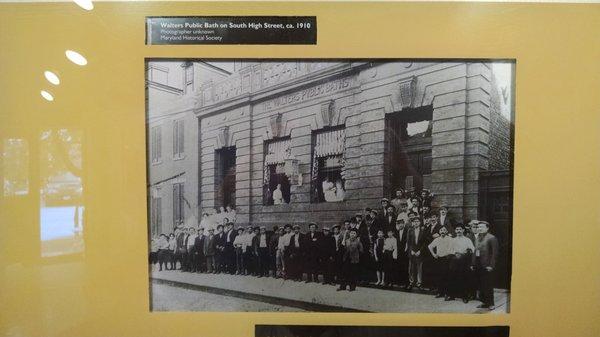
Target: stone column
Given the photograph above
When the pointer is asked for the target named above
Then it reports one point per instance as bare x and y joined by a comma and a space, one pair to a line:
460, 137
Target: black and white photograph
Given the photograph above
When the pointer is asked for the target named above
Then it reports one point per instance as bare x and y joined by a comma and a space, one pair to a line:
330, 185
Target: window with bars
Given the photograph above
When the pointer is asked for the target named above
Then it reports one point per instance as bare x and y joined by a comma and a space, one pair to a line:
178, 139
328, 165
155, 144
178, 204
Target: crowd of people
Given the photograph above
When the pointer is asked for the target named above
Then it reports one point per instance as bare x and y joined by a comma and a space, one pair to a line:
405, 243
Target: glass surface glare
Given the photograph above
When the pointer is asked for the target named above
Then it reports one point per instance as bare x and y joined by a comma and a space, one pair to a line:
15, 172
61, 202
76, 58
88, 5
47, 96
52, 77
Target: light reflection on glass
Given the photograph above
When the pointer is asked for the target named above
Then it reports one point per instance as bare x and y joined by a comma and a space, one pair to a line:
52, 77
47, 96
88, 5
76, 58
61, 192
15, 158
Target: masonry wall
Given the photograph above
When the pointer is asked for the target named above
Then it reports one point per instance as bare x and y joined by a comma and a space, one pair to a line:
169, 166
458, 93
500, 134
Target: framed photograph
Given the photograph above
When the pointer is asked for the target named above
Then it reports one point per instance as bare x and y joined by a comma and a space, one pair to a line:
299, 168
330, 185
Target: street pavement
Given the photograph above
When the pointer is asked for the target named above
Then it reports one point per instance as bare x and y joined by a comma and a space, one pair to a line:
169, 298
249, 293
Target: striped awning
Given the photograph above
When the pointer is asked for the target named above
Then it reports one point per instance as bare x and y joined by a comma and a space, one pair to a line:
278, 152
330, 143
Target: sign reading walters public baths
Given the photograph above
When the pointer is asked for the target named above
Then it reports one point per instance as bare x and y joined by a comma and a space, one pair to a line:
177, 30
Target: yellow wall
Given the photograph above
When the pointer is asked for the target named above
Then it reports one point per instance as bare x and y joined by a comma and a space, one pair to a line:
104, 291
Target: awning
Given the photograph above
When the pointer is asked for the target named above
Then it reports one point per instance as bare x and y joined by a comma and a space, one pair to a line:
330, 143
278, 152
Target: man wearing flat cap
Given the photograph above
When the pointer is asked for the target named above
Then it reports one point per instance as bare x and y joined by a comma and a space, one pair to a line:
294, 252
327, 255
384, 204
312, 253
262, 249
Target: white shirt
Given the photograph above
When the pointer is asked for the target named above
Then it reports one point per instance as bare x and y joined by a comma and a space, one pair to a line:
444, 245
296, 240
336, 237
391, 244
191, 240
460, 244
239, 240
277, 197
263, 241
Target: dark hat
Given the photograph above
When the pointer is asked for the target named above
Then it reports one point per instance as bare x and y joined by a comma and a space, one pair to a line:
313, 224
256, 227
368, 209
287, 226
336, 226
385, 199
374, 211
219, 226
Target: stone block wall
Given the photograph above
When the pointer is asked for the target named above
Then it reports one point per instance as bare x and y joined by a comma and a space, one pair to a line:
362, 95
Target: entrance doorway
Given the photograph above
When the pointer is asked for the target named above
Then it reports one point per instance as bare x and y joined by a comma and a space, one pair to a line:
225, 177
408, 149
495, 206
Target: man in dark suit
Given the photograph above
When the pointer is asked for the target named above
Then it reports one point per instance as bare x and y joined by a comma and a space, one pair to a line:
401, 234
416, 250
210, 250
484, 263
199, 250
389, 220
262, 249
180, 248
445, 220
434, 224
220, 252
294, 252
327, 255
311, 253
229, 250
254, 246
273, 242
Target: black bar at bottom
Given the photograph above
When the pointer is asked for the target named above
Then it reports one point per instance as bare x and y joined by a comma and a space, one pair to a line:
377, 331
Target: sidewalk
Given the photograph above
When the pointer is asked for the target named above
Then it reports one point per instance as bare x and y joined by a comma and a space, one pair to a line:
317, 297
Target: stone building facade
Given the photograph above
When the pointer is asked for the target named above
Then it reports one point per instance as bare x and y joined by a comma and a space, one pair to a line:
172, 135
365, 128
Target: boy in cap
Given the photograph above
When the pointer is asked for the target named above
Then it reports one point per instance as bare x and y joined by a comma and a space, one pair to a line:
351, 261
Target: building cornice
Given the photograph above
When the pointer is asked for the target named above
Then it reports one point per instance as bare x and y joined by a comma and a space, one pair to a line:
263, 94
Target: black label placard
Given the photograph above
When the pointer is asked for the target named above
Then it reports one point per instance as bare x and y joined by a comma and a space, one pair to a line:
176, 30
378, 331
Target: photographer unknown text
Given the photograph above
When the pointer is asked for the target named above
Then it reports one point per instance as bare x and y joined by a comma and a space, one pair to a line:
231, 30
